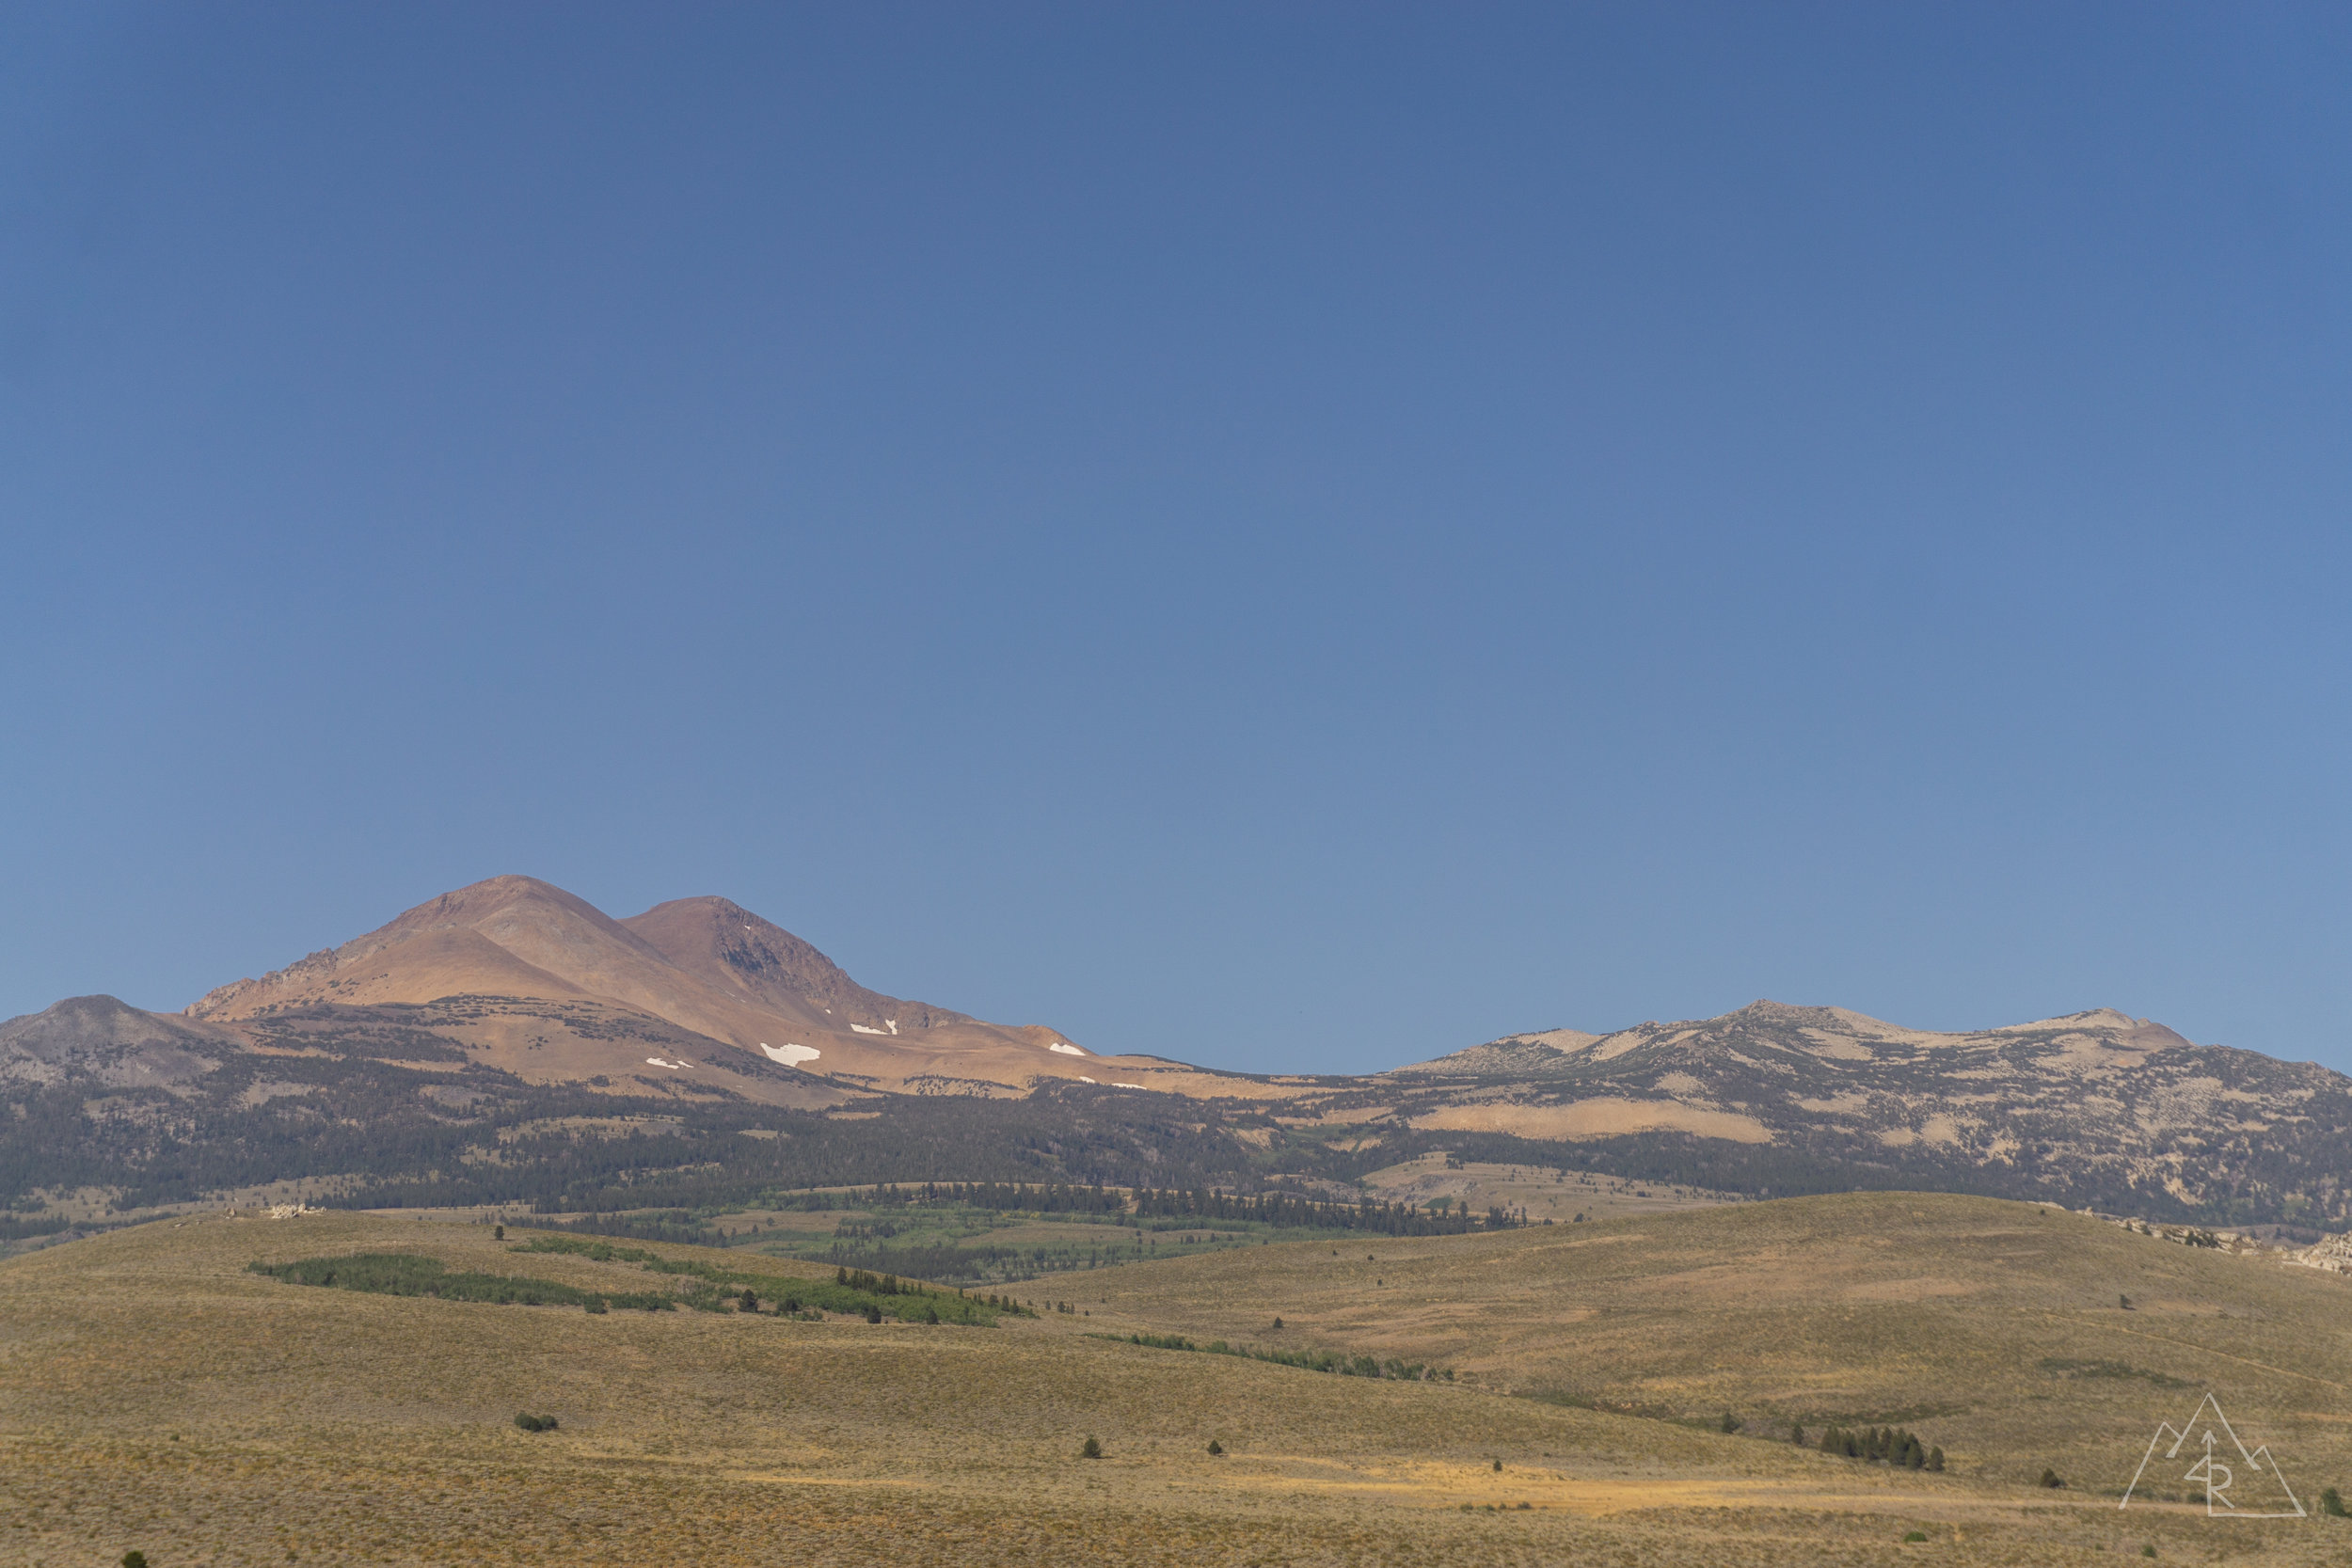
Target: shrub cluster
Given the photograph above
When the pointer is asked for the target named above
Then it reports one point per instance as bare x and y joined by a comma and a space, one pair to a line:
1207, 1203
1312, 1361
881, 1285
1883, 1446
707, 1289
400, 1273
599, 1252
851, 1292
536, 1423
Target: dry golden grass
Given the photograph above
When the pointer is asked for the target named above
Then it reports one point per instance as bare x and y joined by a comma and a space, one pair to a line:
153, 1394
1994, 1329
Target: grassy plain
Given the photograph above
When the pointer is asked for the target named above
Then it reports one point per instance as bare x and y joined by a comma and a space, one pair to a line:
156, 1394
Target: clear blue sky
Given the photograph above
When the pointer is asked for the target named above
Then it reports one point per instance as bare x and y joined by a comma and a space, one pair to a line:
1287, 537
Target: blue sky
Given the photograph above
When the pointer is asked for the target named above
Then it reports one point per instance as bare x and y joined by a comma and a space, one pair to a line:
1286, 536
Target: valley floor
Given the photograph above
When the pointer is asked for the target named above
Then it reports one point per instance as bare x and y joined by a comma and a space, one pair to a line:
156, 1395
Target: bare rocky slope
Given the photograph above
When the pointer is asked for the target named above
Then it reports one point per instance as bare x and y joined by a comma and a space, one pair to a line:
509, 1042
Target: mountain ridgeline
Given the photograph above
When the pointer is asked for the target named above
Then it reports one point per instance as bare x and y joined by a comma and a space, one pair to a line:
510, 1044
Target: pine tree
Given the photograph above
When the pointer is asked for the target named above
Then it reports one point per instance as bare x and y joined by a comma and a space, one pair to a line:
1091, 1447
1796, 1433
1935, 1458
1215, 1446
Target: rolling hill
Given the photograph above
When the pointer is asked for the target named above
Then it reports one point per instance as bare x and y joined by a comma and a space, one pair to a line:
157, 1393
2016, 1336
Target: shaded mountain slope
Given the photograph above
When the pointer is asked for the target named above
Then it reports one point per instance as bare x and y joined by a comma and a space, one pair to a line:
727, 947
108, 1043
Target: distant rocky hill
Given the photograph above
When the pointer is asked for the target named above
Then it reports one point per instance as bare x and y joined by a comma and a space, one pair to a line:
2095, 1107
510, 1042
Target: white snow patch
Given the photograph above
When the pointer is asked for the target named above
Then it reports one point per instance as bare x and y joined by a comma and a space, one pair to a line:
656, 1061
1084, 1079
894, 1024
1126, 1085
1061, 1049
861, 1029
789, 1053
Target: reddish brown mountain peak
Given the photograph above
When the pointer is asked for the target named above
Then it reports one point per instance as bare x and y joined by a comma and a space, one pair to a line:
492, 891
506, 936
704, 965
477, 904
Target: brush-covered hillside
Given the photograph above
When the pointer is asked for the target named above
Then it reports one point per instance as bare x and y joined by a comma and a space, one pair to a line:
343, 1388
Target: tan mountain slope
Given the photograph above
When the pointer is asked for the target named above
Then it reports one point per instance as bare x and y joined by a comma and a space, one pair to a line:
705, 965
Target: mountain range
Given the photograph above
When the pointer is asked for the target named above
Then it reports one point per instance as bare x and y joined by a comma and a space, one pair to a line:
509, 1041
